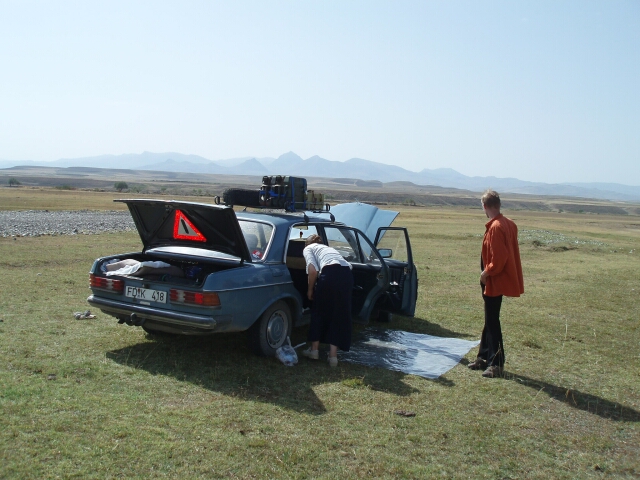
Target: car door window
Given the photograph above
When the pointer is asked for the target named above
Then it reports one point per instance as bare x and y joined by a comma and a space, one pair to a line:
368, 255
395, 243
302, 232
345, 242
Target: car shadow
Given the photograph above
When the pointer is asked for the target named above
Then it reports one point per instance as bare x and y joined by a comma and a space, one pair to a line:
224, 364
579, 400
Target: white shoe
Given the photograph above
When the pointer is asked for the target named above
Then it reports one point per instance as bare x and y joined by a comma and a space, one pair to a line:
333, 361
311, 354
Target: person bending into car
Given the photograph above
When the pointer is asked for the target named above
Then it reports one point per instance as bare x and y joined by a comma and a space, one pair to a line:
501, 275
329, 287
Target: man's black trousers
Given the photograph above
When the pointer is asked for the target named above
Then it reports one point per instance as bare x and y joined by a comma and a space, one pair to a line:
491, 347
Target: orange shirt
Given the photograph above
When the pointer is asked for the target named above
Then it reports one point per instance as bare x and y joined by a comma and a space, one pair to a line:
501, 258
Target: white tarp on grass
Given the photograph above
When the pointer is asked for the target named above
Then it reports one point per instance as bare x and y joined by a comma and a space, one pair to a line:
413, 353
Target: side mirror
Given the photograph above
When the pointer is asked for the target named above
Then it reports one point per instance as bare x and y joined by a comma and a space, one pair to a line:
385, 252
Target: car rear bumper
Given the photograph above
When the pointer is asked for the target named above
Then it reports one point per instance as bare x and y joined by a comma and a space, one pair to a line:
138, 314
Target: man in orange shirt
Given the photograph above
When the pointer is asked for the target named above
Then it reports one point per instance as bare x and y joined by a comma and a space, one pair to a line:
501, 275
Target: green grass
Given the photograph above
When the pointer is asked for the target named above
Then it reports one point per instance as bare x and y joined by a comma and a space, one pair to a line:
94, 399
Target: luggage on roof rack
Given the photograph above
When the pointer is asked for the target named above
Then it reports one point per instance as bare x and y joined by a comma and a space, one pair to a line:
284, 191
315, 201
278, 191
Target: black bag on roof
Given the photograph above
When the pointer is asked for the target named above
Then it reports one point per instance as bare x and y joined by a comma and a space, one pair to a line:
284, 191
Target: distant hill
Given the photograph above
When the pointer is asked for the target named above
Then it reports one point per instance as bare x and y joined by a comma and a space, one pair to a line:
357, 169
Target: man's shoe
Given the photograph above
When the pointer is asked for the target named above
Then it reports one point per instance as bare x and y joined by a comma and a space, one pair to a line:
493, 371
333, 361
478, 364
311, 354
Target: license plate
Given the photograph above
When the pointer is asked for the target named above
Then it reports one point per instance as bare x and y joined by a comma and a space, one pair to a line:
146, 294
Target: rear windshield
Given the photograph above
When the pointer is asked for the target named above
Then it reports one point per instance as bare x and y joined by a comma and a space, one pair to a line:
258, 236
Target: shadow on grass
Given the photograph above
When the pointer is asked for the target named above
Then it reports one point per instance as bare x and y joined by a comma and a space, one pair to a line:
580, 400
224, 364
420, 325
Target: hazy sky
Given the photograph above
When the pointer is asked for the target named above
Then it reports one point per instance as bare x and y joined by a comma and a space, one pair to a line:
541, 91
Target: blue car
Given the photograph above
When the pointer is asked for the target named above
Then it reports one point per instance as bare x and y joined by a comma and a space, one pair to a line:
207, 269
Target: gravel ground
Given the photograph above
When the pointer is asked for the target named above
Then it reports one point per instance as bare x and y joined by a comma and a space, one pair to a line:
33, 223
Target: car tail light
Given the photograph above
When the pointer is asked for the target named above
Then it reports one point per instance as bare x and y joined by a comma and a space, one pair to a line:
206, 299
104, 283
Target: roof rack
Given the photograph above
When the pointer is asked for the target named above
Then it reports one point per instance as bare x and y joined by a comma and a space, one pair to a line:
300, 212
289, 207
331, 216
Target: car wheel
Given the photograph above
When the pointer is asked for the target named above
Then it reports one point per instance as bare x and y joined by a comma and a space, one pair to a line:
383, 316
241, 196
270, 331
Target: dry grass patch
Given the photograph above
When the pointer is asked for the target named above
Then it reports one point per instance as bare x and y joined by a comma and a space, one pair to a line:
124, 404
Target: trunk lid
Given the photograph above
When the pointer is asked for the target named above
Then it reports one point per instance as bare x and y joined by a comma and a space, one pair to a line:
171, 223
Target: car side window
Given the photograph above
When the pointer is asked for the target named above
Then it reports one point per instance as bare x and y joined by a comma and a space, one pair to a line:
344, 241
257, 236
368, 256
302, 231
395, 243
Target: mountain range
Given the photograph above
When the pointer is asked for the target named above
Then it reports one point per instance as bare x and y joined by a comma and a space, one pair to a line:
355, 168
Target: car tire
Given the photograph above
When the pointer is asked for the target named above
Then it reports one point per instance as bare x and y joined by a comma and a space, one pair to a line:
271, 330
242, 197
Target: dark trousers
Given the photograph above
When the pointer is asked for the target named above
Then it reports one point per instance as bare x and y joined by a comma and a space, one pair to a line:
491, 347
331, 307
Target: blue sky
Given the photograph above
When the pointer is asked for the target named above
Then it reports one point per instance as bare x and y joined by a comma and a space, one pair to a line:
541, 91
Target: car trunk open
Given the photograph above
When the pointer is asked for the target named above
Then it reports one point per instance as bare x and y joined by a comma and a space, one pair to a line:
189, 229
163, 287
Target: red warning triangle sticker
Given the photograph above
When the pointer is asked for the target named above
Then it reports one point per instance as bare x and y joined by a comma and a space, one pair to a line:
183, 229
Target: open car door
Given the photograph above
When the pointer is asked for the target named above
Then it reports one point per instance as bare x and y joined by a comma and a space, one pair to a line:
392, 244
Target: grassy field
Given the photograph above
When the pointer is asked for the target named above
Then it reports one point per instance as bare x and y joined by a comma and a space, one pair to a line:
94, 399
